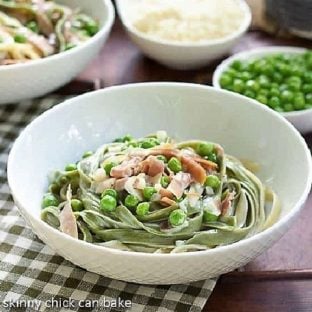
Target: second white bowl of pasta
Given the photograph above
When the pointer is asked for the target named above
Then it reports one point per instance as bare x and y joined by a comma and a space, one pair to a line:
172, 207
42, 47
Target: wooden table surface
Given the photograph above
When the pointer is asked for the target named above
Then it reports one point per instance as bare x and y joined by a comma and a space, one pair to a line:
281, 278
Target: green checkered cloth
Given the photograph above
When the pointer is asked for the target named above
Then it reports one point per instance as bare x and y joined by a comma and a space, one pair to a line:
31, 273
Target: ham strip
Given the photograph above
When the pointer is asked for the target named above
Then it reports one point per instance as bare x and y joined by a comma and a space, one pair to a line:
126, 168
167, 201
179, 183
153, 166
207, 164
68, 224
197, 172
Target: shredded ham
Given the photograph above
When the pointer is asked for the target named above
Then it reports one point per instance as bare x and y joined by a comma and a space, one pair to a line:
120, 184
179, 183
165, 193
197, 172
153, 166
167, 201
126, 168
67, 218
206, 164
226, 203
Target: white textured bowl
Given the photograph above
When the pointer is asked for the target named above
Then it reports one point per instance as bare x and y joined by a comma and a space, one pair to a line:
183, 55
245, 128
302, 120
38, 77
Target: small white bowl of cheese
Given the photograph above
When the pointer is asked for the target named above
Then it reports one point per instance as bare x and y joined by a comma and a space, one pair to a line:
185, 34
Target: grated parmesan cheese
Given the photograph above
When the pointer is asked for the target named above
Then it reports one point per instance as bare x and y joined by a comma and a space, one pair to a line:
186, 20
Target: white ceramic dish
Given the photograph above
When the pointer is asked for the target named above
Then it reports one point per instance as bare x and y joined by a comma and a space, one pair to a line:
245, 128
38, 77
183, 55
302, 120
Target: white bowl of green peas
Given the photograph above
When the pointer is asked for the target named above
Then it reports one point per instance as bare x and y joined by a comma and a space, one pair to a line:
279, 77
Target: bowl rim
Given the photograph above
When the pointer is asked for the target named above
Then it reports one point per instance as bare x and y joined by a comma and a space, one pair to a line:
105, 28
240, 244
204, 43
260, 51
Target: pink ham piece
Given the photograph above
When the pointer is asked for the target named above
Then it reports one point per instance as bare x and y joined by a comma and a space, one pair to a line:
153, 166
165, 193
167, 201
207, 164
179, 183
197, 172
120, 184
68, 223
126, 168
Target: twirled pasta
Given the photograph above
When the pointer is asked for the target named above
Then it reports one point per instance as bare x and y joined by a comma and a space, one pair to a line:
155, 195
32, 29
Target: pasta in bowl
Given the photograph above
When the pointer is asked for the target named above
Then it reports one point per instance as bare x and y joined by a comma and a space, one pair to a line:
186, 112
45, 44
156, 195
33, 29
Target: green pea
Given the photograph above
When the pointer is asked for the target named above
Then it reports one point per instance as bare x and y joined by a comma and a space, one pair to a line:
109, 166
204, 149
294, 86
162, 158
131, 201
253, 85
225, 80
277, 77
245, 76
238, 65
33, 26
149, 143
274, 92
87, 154
299, 101
287, 96
280, 109
148, 192
19, 38
91, 27
76, 205
307, 77
238, 85
177, 217
212, 181
308, 98
110, 192
164, 181
264, 92
49, 200
288, 107
174, 164
262, 99
54, 188
142, 209
212, 157
108, 203
307, 87
274, 102
126, 138
264, 81
250, 94
71, 167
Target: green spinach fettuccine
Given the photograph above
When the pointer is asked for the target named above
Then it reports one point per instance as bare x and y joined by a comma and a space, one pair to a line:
158, 196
